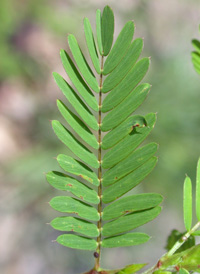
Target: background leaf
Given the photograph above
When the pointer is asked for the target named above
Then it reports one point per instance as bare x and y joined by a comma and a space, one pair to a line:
187, 203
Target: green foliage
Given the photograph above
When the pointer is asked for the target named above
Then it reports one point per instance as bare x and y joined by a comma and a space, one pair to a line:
196, 54
126, 166
176, 236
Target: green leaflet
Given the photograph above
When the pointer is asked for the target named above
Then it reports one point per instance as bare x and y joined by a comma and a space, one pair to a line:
196, 45
130, 221
107, 29
120, 47
183, 271
128, 239
67, 204
133, 140
63, 182
130, 204
187, 203
91, 45
75, 167
128, 182
121, 131
126, 107
74, 145
77, 242
78, 126
131, 56
129, 82
98, 31
133, 161
198, 191
76, 225
196, 233
76, 102
78, 81
82, 64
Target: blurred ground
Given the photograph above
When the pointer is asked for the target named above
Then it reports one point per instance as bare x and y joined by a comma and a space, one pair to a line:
31, 35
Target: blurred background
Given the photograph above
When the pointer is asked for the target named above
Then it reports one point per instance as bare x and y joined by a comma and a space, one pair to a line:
32, 32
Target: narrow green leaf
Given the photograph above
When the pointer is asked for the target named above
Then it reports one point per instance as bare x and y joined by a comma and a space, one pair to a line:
187, 203
74, 145
196, 233
196, 44
130, 81
82, 63
75, 167
76, 225
67, 204
91, 45
131, 56
183, 271
196, 66
130, 204
78, 81
198, 191
133, 140
76, 102
128, 182
63, 182
130, 221
120, 47
133, 161
98, 31
196, 57
128, 239
107, 29
78, 126
77, 242
121, 131
126, 107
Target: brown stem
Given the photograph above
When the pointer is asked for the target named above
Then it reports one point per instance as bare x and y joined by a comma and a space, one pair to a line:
99, 224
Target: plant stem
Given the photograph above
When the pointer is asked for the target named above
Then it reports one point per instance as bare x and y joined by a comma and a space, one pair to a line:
99, 224
175, 247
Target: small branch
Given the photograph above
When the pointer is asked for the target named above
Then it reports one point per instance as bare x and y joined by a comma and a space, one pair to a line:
99, 224
175, 247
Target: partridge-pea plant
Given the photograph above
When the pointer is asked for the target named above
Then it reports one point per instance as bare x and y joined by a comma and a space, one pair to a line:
106, 159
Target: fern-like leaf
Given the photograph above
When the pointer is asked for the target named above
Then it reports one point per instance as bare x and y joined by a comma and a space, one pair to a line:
104, 180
